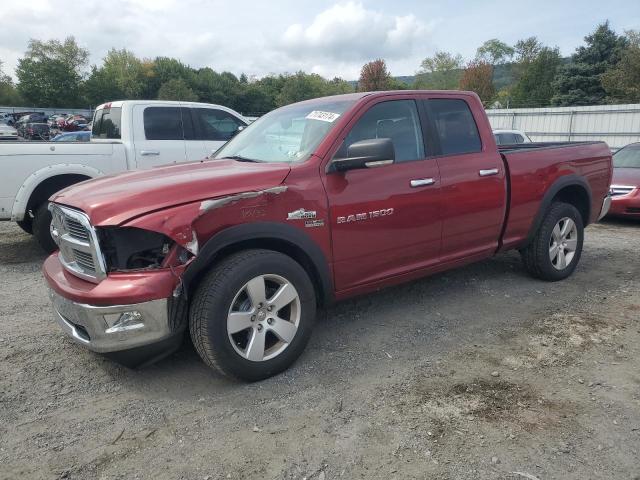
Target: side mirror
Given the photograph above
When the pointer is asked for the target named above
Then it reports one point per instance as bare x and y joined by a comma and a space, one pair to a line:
371, 153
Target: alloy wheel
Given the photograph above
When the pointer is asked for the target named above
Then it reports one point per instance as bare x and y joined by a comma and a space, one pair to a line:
264, 317
563, 243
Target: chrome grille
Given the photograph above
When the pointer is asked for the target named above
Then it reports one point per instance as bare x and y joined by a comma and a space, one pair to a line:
85, 260
79, 248
76, 229
617, 190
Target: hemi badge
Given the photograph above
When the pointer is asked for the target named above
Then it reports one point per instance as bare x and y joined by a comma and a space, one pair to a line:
301, 214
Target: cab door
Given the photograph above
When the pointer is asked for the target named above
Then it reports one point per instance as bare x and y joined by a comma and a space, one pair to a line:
473, 180
385, 221
158, 135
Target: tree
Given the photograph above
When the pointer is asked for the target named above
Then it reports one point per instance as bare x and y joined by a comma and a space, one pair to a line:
126, 71
442, 71
374, 76
580, 82
177, 89
9, 95
535, 86
301, 86
478, 77
622, 82
495, 52
527, 49
163, 69
50, 73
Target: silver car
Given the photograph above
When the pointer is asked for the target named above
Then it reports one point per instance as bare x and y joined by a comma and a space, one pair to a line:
7, 132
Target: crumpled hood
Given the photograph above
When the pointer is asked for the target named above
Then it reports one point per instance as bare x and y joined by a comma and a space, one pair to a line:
626, 176
115, 199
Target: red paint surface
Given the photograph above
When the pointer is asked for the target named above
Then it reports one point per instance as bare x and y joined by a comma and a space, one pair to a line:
457, 220
626, 205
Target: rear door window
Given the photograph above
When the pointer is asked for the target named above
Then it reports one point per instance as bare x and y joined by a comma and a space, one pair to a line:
106, 123
163, 123
456, 129
213, 124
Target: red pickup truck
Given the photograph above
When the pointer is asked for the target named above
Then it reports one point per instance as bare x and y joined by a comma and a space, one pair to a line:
314, 202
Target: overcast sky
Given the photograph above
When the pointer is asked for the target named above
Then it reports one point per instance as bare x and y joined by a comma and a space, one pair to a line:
332, 38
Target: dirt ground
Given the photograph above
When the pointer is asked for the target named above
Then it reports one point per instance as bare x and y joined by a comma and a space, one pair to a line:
479, 373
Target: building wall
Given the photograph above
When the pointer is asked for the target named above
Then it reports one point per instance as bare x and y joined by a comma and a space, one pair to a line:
618, 125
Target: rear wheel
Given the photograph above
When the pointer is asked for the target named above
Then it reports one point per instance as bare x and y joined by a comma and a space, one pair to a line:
252, 315
555, 250
42, 228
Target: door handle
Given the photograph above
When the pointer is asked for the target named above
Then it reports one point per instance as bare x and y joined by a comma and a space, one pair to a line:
488, 172
146, 153
422, 182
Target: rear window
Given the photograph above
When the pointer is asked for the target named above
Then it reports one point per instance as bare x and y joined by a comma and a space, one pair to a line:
106, 123
163, 123
507, 138
455, 126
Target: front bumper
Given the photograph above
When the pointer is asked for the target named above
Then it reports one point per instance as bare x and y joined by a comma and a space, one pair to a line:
102, 330
626, 205
132, 318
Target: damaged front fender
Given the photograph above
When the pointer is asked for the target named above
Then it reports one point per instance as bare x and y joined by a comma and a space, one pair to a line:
192, 224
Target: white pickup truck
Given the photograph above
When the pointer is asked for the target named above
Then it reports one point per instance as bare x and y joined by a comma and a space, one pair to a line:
126, 135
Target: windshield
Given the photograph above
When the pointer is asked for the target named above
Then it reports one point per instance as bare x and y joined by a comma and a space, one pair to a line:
627, 157
288, 134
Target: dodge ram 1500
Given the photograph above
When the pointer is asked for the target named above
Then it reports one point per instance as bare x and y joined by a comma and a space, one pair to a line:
314, 202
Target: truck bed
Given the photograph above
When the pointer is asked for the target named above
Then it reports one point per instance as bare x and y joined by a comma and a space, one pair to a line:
533, 169
538, 145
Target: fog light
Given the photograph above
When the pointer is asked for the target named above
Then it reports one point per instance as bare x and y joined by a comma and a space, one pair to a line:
124, 322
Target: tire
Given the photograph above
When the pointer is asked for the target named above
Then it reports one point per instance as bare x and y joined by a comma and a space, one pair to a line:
41, 228
26, 225
225, 291
543, 256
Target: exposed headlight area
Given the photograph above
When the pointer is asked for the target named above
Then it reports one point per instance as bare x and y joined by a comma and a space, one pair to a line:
128, 248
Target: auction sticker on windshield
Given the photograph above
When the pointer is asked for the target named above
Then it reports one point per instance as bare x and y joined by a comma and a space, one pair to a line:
324, 116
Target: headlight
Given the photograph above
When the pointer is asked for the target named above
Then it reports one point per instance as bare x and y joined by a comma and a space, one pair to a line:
133, 248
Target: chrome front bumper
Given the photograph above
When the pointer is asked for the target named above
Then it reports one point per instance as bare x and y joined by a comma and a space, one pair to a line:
606, 205
113, 328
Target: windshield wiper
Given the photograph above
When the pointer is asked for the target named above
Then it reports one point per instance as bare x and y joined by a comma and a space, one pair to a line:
240, 158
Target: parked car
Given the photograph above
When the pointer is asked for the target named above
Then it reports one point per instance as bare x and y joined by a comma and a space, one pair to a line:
22, 123
7, 132
36, 131
74, 123
83, 136
510, 137
7, 118
242, 248
54, 120
126, 135
625, 188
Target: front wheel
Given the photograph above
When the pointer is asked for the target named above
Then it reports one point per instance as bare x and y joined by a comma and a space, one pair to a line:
252, 315
555, 251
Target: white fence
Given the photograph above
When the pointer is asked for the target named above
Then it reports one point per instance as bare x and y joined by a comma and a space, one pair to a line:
617, 125
49, 111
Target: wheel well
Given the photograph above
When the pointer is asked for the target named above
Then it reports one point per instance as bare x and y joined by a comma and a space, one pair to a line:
50, 186
278, 245
577, 196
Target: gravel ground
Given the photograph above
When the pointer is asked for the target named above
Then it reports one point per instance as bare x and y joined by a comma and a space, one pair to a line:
479, 373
